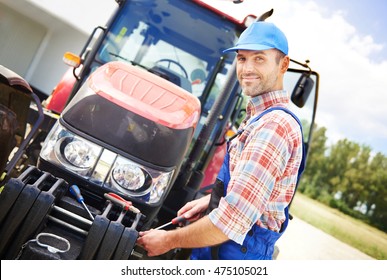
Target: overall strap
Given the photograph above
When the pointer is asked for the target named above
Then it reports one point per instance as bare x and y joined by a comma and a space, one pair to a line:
256, 118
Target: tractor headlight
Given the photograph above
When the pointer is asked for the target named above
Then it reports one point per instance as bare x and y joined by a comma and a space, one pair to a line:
139, 181
103, 167
129, 177
76, 154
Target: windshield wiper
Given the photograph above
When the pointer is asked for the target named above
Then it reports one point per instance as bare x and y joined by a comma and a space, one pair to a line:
128, 60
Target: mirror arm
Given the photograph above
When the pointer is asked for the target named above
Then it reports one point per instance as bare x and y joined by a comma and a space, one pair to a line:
302, 64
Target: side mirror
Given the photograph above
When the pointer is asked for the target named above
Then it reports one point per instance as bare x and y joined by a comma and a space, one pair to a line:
302, 90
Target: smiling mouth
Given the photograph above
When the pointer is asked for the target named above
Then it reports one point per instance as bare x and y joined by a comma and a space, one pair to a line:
250, 79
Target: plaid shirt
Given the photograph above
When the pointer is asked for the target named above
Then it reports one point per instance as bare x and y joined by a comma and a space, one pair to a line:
264, 162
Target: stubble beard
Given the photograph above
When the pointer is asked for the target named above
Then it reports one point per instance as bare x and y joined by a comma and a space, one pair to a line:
260, 86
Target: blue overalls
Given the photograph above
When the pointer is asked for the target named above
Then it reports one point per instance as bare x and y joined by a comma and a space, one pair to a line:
259, 242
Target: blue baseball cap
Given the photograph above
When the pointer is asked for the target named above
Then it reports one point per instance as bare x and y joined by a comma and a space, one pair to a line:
261, 36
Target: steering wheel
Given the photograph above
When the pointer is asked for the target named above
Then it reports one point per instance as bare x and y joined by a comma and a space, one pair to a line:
170, 61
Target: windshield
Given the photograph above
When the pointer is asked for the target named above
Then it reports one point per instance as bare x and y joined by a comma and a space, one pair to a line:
173, 39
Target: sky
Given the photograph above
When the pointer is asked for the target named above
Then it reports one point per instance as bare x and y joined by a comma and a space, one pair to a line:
345, 41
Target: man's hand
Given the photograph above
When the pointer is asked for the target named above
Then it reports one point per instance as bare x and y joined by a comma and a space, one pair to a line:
202, 233
155, 242
193, 210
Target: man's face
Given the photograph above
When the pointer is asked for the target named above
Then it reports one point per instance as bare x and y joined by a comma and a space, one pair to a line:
259, 71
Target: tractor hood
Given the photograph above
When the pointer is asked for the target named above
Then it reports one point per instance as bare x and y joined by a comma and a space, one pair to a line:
136, 112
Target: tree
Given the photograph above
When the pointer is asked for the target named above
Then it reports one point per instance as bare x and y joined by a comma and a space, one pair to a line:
313, 177
348, 169
377, 192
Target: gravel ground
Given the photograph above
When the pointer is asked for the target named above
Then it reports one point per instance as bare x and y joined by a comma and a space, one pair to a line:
302, 241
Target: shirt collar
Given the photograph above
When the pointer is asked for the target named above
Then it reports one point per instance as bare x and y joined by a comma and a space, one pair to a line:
260, 103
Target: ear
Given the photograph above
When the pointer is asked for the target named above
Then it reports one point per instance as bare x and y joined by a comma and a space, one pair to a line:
284, 64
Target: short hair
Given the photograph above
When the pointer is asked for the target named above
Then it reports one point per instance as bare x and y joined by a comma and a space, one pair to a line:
279, 55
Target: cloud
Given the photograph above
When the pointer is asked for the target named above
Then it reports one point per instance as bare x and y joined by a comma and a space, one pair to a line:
353, 95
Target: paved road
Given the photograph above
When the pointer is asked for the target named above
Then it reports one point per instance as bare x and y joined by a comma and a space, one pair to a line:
301, 241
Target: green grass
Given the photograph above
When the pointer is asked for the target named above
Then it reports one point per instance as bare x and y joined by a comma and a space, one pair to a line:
355, 233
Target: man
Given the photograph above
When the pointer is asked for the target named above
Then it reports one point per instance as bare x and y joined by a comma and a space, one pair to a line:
260, 171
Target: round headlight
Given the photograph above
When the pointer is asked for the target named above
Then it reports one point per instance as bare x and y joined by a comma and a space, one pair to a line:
131, 178
80, 154
75, 154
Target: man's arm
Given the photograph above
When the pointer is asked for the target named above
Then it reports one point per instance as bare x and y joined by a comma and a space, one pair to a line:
202, 233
